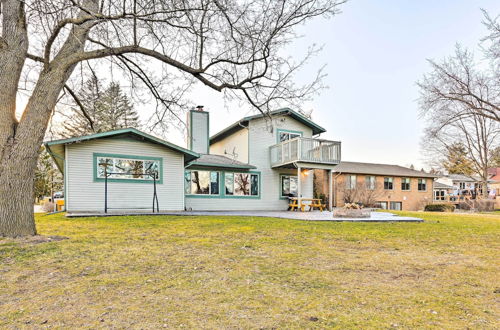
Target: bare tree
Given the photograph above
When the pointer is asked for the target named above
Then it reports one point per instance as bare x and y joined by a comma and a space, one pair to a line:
460, 86
360, 194
479, 136
231, 46
460, 99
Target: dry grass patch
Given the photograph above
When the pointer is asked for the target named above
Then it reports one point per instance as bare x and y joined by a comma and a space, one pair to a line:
237, 272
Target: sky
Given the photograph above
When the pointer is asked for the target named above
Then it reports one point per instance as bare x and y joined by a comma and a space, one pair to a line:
374, 52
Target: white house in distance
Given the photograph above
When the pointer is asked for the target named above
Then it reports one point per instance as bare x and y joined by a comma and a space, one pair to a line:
254, 164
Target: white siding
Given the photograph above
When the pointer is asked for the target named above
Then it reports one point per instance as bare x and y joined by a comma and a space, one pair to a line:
261, 139
237, 143
83, 194
199, 131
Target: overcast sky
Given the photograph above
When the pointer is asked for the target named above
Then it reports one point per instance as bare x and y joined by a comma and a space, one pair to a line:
375, 51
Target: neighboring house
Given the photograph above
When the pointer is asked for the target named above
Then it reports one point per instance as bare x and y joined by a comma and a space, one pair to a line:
463, 185
495, 180
254, 164
386, 186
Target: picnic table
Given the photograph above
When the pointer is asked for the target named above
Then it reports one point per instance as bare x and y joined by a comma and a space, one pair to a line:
309, 202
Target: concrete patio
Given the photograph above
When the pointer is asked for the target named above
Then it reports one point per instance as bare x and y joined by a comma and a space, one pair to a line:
304, 216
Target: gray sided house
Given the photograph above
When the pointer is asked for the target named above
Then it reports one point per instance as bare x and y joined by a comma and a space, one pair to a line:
254, 164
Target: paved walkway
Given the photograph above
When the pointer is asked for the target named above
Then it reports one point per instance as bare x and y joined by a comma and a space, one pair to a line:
305, 216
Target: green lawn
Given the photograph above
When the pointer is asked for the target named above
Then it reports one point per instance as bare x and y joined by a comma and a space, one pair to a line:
235, 272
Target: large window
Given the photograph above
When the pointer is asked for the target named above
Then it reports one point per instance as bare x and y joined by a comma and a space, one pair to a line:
201, 182
388, 183
422, 185
286, 135
350, 182
397, 206
370, 182
124, 167
288, 186
405, 184
241, 184
382, 205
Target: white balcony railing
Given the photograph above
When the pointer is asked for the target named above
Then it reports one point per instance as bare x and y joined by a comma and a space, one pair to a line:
305, 150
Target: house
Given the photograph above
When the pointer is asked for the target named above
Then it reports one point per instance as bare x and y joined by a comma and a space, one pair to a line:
386, 186
464, 185
254, 164
494, 173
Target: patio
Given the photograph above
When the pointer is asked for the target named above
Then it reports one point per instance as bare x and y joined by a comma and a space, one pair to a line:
304, 216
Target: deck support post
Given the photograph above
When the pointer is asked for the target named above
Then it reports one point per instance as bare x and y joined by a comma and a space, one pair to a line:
330, 190
299, 187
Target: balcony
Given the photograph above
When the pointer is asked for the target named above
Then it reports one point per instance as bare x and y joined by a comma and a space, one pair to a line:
305, 150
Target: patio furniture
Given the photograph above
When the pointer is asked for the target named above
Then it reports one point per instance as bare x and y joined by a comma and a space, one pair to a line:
309, 202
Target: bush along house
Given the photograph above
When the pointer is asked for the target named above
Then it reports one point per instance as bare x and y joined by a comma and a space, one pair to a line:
253, 164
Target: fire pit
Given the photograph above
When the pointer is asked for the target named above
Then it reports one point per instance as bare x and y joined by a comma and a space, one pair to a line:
351, 210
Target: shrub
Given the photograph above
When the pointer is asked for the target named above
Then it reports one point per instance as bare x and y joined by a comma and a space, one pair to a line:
48, 207
482, 205
439, 208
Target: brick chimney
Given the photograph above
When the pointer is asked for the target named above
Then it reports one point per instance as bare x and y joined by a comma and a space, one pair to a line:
197, 132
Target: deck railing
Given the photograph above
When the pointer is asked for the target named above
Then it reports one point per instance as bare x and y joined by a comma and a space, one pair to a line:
305, 150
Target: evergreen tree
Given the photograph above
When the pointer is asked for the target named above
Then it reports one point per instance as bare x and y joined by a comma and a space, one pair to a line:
47, 177
457, 161
108, 108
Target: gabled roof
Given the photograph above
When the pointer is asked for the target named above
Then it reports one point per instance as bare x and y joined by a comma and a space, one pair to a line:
219, 161
440, 185
380, 169
284, 111
50, 145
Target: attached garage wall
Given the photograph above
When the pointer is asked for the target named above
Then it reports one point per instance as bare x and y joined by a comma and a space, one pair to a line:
84, 194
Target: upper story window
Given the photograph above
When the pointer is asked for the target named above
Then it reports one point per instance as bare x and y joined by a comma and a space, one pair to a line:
288, 186
422, 185
287, 135
135, 168
241, 184
388, 183
350, 182
201, 182
405, 184
370, 182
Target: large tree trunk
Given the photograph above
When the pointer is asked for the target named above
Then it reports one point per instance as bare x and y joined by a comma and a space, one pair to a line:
20, 141
19, 159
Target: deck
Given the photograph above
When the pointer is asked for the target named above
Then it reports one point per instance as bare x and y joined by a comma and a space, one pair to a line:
305, 150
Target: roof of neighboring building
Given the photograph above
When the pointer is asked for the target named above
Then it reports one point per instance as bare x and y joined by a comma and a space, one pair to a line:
284, 111
206, 160
495, 174
129, 132
461, 178
439, 185
380, 169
